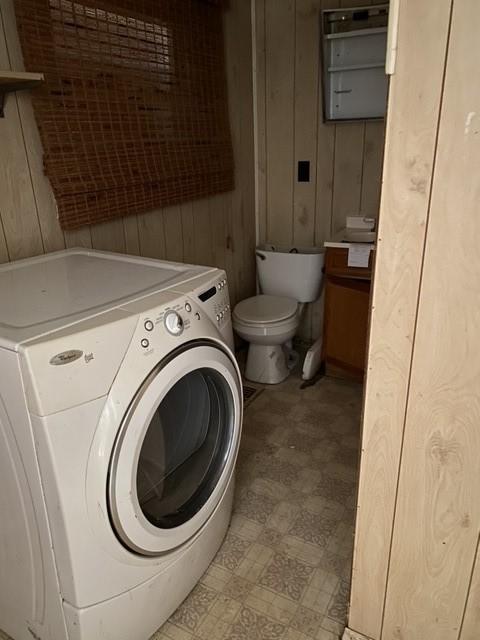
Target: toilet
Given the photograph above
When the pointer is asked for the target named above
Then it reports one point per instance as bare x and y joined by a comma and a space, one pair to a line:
289, 278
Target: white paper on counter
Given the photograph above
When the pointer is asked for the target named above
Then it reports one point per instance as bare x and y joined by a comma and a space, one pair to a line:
358, 255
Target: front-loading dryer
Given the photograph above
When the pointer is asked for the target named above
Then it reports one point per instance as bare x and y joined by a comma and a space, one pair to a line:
120, 415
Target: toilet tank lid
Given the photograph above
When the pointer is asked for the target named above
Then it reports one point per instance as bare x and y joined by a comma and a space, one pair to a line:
264, 308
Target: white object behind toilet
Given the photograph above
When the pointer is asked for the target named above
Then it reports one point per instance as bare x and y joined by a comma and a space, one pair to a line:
293, 272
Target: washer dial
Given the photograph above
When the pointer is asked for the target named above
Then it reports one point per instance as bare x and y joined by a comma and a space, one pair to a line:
173, 323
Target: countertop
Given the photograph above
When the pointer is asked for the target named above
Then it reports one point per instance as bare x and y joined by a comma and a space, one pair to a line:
337, 242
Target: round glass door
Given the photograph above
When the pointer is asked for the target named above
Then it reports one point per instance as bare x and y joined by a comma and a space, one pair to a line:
175, 449
185, 448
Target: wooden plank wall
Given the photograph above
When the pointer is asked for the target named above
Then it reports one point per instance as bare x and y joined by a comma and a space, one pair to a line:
216, 231
346, 159
420, 468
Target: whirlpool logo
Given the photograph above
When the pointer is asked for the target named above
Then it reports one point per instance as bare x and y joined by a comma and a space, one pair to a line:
65, 357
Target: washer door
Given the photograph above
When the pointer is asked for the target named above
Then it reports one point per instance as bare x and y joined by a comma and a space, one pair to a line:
175, 450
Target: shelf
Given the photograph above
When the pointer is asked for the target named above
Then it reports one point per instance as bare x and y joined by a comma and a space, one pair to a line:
356, 67
355, 34
16, 81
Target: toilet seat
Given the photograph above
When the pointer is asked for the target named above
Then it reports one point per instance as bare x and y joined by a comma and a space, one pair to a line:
265, 310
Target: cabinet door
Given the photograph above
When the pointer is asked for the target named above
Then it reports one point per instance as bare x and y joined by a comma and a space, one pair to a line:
346, 322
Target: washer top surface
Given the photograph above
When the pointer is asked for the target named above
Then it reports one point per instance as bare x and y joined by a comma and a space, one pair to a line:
42, 294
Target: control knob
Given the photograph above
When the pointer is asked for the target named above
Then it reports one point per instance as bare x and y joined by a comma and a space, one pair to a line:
173, 323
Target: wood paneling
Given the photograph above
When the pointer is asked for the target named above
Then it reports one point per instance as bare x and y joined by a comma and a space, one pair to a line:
172, 222
345, 159
52, 235
409, 156
219, 231
347, 172
305, 117
372, 168
259, 79
109, 236
437, 518
279, 117
22, 233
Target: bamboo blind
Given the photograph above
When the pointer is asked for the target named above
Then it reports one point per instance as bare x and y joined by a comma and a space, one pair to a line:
133, 113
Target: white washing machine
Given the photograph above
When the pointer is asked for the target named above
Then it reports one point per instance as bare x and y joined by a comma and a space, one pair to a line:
120, 419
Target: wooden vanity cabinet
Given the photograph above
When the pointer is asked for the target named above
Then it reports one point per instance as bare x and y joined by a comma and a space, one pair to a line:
347, 306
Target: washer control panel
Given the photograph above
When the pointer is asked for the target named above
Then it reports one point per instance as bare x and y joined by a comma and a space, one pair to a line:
216, 301
208, 299
173, 320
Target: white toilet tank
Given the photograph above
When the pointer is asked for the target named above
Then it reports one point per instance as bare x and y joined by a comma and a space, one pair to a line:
294, 272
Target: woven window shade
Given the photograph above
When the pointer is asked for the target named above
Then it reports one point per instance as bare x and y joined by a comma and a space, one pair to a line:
133, 114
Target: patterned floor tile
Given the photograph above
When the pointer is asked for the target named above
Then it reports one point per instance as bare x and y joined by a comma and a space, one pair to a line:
225, 608
172, 632
216, 577
317, 600
283, 515
194, 608
270, 537
237, 588
315, 528
337, 609
333, 626
333, 563
274, 606
323, 634
212, 629
304, 551
293, 456
268, 487
346, 455
232, 551
287, 576
307, 621
269, 466
250, 570
254, 506
244, 527
255, 626
334, 489
293, 634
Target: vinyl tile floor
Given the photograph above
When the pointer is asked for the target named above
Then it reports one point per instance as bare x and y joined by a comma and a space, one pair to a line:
283, 571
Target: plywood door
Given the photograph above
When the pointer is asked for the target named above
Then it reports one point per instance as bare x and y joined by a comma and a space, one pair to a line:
412, 122
437, 518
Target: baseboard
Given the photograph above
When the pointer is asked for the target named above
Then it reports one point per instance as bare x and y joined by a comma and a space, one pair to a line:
348, 634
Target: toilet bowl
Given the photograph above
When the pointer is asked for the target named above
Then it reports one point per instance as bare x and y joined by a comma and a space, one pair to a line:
267, 323
289, 278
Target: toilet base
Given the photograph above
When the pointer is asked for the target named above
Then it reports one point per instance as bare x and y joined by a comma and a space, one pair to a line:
266, 364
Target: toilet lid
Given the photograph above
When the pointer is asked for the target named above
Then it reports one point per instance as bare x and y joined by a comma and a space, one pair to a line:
265, 308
